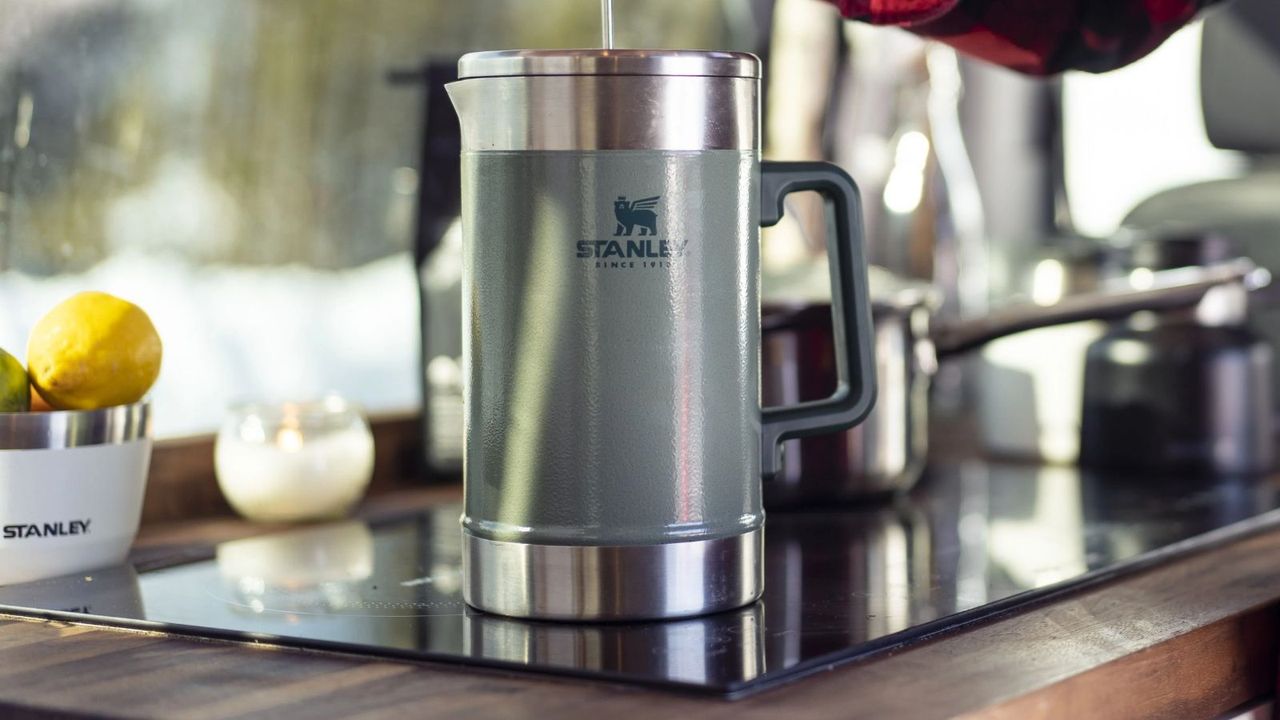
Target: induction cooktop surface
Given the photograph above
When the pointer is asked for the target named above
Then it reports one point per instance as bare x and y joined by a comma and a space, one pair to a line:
840, 585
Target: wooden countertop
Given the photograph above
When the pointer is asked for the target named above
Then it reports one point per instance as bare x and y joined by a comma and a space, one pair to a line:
1196, 637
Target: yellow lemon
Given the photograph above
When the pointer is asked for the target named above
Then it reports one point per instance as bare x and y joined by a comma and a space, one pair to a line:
14, 393
93, 351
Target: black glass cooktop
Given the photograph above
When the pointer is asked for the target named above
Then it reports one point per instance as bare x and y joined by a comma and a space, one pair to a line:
973, 540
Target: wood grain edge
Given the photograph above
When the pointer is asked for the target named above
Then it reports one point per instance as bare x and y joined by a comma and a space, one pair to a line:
1200, 674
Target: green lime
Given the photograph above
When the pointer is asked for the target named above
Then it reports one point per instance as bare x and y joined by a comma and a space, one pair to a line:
15, 389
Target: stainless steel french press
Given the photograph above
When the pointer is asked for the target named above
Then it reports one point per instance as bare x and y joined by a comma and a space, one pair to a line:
611, 206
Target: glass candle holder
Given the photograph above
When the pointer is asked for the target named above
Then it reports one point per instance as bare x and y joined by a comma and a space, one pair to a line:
294, 461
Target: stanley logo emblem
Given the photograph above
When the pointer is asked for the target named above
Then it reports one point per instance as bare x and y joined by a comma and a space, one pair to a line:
637, 221
636, 214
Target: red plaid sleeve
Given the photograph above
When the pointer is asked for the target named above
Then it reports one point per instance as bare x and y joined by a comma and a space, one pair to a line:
1037, 36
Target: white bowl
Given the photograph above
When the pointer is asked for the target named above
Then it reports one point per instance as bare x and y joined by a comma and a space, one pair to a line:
71, 488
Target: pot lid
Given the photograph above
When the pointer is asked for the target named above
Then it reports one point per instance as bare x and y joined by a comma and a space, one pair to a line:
596, 61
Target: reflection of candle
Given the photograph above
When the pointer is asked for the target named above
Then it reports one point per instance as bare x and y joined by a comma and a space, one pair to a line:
306, 467
300, 559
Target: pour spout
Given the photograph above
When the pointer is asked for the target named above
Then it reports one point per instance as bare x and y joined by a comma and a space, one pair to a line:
462, 93
459, 96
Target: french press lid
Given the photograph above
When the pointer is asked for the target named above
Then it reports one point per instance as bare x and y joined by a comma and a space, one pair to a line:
666, 63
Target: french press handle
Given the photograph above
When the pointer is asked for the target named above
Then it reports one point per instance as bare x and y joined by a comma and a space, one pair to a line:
854, 333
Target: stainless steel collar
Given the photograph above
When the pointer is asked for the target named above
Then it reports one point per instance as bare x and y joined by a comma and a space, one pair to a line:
599, 61
585, 100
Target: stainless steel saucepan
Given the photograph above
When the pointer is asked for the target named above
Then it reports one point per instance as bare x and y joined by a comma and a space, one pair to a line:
887, 451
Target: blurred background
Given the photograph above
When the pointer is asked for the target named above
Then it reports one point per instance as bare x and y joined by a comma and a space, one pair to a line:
275, 181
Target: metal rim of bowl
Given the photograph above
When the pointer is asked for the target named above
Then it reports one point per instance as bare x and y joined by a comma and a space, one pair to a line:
58, 429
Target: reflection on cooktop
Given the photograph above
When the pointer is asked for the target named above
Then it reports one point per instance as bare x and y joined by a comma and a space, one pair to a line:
973, 540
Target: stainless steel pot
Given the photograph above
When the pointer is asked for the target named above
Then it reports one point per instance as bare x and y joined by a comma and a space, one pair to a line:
886, 453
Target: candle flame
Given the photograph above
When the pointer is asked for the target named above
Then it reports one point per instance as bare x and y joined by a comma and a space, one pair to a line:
289, 439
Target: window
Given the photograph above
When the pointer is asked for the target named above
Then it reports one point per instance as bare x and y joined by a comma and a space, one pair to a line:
244, 171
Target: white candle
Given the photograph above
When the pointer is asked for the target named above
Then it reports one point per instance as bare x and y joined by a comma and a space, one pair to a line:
291, 464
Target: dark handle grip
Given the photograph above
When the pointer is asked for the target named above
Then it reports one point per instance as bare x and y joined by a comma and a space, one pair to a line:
855, 393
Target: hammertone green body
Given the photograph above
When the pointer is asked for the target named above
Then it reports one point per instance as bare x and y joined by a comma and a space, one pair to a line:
611, 329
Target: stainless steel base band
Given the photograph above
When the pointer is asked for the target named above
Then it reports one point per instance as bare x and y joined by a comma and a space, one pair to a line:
621, 582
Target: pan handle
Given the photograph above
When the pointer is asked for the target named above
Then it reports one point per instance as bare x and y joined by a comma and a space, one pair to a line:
854, 333
1180, 290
